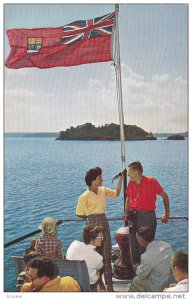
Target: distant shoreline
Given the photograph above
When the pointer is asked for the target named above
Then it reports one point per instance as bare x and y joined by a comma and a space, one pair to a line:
31, 134
159, 136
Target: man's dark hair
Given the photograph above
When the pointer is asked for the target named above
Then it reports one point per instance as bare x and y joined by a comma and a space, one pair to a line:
90, 232
92, 174
146, 233
136, 166
29, 255
44, 266
180, 260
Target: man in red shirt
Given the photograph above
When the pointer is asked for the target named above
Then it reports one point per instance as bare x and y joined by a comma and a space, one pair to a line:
141, 204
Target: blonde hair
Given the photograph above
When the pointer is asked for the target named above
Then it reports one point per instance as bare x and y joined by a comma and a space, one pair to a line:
48, 225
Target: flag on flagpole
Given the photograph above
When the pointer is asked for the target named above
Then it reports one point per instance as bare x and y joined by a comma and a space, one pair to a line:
81, 42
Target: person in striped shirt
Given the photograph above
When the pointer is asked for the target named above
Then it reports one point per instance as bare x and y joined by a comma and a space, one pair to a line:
23, 276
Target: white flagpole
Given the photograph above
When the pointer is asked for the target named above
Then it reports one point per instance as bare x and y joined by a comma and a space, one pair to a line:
117, 65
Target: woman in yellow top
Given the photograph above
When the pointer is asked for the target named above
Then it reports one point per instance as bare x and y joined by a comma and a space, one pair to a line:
91, 207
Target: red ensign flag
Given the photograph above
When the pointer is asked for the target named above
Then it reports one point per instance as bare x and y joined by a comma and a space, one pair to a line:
81, 42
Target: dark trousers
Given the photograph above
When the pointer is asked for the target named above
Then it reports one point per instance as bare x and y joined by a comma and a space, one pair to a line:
142, 219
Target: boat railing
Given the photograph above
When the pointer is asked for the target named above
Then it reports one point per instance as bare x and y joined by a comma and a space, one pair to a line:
26, 235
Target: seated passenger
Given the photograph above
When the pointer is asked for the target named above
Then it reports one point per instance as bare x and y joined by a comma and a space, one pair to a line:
32, 244
154, 269
86, 250
28, 256
41, 278
179, 265
48, 244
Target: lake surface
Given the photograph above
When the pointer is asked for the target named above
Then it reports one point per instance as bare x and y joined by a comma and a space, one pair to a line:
44, 177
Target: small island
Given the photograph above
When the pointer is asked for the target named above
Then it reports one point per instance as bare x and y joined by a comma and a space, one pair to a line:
107, 132
176, 137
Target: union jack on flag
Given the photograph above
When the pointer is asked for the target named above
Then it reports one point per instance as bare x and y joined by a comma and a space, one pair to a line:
85, 29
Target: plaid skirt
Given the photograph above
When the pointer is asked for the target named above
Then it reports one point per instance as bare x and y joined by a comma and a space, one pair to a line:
101, 220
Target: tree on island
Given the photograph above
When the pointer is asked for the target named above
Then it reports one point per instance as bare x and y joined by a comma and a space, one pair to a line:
105, 132
176, 137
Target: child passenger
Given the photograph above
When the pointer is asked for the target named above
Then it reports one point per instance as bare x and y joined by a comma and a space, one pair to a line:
48, 244
23, 276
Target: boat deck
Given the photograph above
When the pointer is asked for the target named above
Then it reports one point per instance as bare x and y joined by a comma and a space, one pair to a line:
121, 285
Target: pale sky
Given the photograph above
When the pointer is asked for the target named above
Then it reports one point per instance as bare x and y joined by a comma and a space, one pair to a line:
154, 58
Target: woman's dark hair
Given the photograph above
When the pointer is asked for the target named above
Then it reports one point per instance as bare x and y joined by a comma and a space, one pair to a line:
92, 174
90, 232
180, 260
136, 166
44, 266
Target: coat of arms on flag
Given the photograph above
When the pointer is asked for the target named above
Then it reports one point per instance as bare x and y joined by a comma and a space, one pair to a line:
34, 45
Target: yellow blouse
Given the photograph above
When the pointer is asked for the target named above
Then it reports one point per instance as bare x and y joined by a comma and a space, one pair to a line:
90, 203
